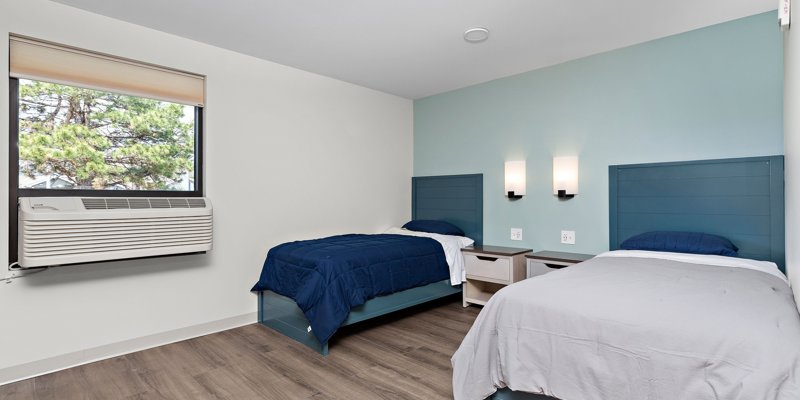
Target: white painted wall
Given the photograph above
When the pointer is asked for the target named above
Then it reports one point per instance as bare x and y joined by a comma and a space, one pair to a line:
289, 155
791, 145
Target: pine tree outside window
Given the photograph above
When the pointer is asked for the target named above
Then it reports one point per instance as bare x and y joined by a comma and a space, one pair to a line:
76, 138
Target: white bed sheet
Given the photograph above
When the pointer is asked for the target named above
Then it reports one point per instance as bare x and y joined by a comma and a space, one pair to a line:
451, 245
631, 328
768, 267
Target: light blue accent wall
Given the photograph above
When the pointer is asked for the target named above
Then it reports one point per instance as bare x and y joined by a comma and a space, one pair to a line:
715, 92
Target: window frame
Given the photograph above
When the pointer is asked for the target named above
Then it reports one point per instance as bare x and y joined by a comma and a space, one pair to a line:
15, 192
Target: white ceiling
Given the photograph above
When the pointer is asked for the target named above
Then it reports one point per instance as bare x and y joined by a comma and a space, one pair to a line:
414, 48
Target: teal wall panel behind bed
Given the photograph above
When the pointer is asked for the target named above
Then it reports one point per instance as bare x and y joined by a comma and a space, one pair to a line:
740, 198
711, 93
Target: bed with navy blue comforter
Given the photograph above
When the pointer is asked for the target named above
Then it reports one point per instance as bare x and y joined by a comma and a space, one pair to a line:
327, 277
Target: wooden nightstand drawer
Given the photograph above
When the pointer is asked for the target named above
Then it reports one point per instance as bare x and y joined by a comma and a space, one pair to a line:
542, 262
538, 268
485, 266
490, 268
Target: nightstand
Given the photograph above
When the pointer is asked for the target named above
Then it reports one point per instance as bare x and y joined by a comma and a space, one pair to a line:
490, 268
542, 262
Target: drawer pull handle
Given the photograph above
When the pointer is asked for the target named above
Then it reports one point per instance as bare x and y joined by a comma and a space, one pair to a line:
484, 258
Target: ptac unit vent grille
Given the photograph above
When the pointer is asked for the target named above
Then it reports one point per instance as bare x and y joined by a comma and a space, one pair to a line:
73, 230
140, 203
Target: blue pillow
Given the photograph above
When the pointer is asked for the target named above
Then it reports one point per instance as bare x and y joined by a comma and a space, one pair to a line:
432, 226
681, 242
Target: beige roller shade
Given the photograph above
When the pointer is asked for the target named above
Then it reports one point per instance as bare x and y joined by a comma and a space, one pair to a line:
50, 62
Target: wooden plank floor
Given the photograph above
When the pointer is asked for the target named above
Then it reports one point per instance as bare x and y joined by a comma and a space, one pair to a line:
405, 355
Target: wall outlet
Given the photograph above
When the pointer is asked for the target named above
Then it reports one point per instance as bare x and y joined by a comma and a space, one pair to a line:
516, 233
568, 237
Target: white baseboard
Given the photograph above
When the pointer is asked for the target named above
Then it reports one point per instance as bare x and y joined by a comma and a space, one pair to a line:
69, 360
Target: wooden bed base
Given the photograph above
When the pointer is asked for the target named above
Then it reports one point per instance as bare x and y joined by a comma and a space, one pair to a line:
508, 394
282, 313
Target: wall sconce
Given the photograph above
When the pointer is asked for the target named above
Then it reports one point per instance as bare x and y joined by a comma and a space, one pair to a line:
515, 179
565, 177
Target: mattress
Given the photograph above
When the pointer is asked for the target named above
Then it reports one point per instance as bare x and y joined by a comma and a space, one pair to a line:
630, 326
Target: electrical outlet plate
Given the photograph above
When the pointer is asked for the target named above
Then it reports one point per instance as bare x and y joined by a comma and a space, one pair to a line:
516, 233
568, 237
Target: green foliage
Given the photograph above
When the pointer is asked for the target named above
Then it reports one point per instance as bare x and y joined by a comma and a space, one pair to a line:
103, 140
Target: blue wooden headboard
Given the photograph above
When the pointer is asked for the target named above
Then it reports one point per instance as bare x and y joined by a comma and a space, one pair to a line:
738, 198
457, 199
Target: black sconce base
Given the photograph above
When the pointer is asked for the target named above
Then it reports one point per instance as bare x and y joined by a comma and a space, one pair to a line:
562, 195
512, 196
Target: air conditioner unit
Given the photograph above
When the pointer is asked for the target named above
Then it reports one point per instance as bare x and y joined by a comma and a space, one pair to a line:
71, 230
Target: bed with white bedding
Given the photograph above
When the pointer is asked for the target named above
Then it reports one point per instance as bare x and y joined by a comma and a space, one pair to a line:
637, 326
654, 326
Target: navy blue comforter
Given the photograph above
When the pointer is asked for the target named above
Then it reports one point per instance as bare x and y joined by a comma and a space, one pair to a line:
327, 277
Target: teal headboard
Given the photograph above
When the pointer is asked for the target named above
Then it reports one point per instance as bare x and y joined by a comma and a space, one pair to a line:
738, 198
457, 199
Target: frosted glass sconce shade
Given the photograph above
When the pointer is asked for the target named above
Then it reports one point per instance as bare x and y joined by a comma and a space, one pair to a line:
515, 179
565, 176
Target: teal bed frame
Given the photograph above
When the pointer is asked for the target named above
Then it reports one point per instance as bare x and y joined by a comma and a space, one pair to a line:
457, 199
738, 198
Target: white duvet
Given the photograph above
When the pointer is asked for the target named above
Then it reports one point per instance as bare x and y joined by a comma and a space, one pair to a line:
452, 246
627, 326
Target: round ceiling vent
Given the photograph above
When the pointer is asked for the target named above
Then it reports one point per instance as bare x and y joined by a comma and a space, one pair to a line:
476, 35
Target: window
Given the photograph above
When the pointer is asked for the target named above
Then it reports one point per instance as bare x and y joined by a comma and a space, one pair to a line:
75, 138
90, 124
